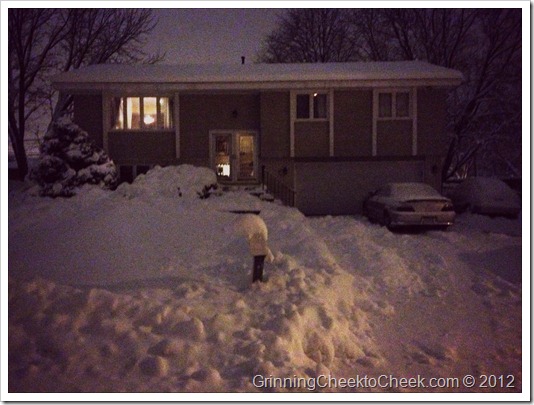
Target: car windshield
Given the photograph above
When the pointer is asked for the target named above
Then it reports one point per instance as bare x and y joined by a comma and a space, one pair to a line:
413, 191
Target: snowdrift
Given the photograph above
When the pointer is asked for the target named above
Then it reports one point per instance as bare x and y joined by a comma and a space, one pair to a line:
148, 289
185, 181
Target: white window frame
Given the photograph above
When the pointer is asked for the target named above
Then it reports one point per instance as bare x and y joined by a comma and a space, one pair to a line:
412, 113
311, 94
143, 128
108, 125
394, 93
293, 116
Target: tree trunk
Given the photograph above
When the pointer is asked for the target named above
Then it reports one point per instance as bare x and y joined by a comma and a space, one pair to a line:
448, 161
20, 156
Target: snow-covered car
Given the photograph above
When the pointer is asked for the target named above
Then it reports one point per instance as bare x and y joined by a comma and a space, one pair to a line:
488, 196
409, 204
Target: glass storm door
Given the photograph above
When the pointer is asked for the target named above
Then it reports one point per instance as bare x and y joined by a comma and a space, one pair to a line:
246, 158
234, 157
222, 155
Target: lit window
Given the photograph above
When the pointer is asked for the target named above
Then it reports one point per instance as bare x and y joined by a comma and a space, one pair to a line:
133, 113
150, 112
165, 113
117, 112
141, 113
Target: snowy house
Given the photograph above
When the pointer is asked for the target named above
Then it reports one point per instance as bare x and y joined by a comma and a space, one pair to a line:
320, 136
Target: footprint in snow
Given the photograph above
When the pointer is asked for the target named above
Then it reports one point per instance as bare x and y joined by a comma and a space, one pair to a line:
426, 354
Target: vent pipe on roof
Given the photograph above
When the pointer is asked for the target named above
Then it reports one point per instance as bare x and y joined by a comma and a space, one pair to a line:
242, 60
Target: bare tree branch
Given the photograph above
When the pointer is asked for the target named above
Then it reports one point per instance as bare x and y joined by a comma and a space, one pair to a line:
304, 35
43, 42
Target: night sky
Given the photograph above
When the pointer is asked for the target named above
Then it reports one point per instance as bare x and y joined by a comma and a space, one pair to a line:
210, 35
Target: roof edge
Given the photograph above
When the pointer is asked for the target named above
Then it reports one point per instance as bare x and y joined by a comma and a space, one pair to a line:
140, 87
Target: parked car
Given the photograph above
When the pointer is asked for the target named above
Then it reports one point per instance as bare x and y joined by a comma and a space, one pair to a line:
409, 204
488, 196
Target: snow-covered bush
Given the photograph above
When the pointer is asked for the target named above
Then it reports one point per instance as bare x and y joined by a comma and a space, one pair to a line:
69, 158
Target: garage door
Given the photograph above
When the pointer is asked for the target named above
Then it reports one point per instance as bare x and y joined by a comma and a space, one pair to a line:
339, 188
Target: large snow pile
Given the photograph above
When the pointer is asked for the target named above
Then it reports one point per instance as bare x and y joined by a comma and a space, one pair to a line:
145, 291
172, 181
69, 159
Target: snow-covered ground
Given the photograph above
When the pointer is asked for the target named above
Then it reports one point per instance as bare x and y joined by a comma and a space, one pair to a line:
148, 289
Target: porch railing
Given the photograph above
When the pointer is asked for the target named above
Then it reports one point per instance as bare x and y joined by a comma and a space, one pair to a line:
279, 190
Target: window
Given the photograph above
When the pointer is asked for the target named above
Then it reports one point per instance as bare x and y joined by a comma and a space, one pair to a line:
133, 113
319, 105
384, 105
394, 104
402, 104
128, 173
303, 106
151, 113
312, 106
394, 121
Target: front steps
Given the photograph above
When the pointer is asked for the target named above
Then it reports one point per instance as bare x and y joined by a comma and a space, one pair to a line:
253, 189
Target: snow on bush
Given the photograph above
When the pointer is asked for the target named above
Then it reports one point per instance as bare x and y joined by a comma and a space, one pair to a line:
184, 181
69, 159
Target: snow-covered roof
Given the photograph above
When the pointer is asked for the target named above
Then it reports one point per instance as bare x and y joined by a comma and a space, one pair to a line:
243, 76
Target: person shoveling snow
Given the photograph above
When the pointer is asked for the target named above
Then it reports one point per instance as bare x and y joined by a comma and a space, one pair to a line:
254, 229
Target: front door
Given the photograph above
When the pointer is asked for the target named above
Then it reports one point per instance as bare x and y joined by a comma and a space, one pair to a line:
234, 155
